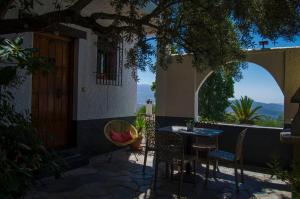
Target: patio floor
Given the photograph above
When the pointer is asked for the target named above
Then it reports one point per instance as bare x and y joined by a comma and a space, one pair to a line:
122, 178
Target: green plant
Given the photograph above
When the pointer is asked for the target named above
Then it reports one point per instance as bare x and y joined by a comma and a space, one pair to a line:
215, 92
291, 177
22, 154
244, 112
271, 122
14, 57
142, 110
230, 118
190, 124
140, 124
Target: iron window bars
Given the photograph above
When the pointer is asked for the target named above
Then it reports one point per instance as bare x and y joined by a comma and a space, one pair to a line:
109, 64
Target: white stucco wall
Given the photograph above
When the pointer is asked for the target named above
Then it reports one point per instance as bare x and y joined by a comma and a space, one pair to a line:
91, 100
97, 101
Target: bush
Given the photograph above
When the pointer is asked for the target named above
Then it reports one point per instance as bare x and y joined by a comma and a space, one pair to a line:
270, 122
22, 153
291, 177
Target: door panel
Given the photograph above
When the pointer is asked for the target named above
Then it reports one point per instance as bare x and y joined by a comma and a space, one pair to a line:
52, 92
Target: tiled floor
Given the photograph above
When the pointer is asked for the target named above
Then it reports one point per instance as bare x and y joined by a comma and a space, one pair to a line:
122, 178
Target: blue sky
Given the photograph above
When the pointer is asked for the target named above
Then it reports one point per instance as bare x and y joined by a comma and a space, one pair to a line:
257, 83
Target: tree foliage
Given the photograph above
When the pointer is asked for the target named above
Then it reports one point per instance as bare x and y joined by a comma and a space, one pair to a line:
244, 112
213, 31
271, 122
214, 95
14, 57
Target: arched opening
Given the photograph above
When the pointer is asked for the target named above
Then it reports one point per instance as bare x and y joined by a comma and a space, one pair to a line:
257, 83
196, 108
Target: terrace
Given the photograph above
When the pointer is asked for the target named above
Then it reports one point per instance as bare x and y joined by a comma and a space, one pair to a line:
71, 106
123, 178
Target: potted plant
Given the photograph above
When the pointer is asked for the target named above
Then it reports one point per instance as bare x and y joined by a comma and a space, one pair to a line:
190, 125
140, 125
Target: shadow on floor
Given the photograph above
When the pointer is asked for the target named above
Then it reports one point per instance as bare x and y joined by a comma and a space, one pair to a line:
122, 178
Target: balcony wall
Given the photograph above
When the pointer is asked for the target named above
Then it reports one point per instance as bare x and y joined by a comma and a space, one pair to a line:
261, 143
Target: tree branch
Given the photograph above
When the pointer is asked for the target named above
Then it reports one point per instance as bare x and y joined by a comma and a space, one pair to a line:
159, 9
80, 4
72, 15
4, 6
39, 23
126, 19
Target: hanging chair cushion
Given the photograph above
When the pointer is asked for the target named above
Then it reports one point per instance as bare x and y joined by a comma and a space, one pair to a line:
127, 136
120, 127
120, 136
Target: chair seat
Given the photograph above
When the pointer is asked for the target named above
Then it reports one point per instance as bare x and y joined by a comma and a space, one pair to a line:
221, 155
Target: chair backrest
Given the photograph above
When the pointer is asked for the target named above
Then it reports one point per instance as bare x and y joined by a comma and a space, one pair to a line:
239, 145
169, 146
150, 132
120, 126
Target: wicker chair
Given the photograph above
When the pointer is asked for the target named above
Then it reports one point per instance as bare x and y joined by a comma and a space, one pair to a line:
203, 144
149, 138
169, 148
120, 126
229, 157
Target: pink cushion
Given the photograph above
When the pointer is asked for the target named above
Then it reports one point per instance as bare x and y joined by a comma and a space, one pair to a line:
127, 136
120, 137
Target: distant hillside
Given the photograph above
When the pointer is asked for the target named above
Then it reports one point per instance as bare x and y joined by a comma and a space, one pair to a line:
269, 109
144, 93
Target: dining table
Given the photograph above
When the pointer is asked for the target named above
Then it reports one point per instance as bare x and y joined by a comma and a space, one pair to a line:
190, 134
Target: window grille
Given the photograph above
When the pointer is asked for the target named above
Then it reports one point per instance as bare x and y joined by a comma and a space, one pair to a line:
109, 65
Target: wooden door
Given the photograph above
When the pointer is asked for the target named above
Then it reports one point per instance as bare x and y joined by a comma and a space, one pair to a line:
52, 91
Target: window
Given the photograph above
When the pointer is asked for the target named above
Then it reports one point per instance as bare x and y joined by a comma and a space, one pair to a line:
109, 65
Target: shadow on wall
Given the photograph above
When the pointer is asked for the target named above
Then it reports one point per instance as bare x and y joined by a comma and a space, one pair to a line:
261, 143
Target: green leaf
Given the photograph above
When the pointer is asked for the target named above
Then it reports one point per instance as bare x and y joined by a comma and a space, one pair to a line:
18, 41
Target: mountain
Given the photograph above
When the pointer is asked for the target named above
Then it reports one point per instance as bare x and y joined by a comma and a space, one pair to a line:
269, 109
144, 93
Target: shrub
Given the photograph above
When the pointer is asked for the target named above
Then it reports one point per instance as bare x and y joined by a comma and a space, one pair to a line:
22, 154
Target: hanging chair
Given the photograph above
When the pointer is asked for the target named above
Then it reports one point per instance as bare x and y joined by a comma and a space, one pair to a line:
120, 126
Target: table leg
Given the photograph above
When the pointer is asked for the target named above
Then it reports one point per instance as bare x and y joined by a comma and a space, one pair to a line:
217, 147
188, 168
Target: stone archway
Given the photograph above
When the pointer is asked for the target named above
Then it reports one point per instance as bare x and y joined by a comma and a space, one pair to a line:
255, 65
196, 113
177, 87
284, 65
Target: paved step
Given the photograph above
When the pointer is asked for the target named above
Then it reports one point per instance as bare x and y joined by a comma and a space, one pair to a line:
73, 158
